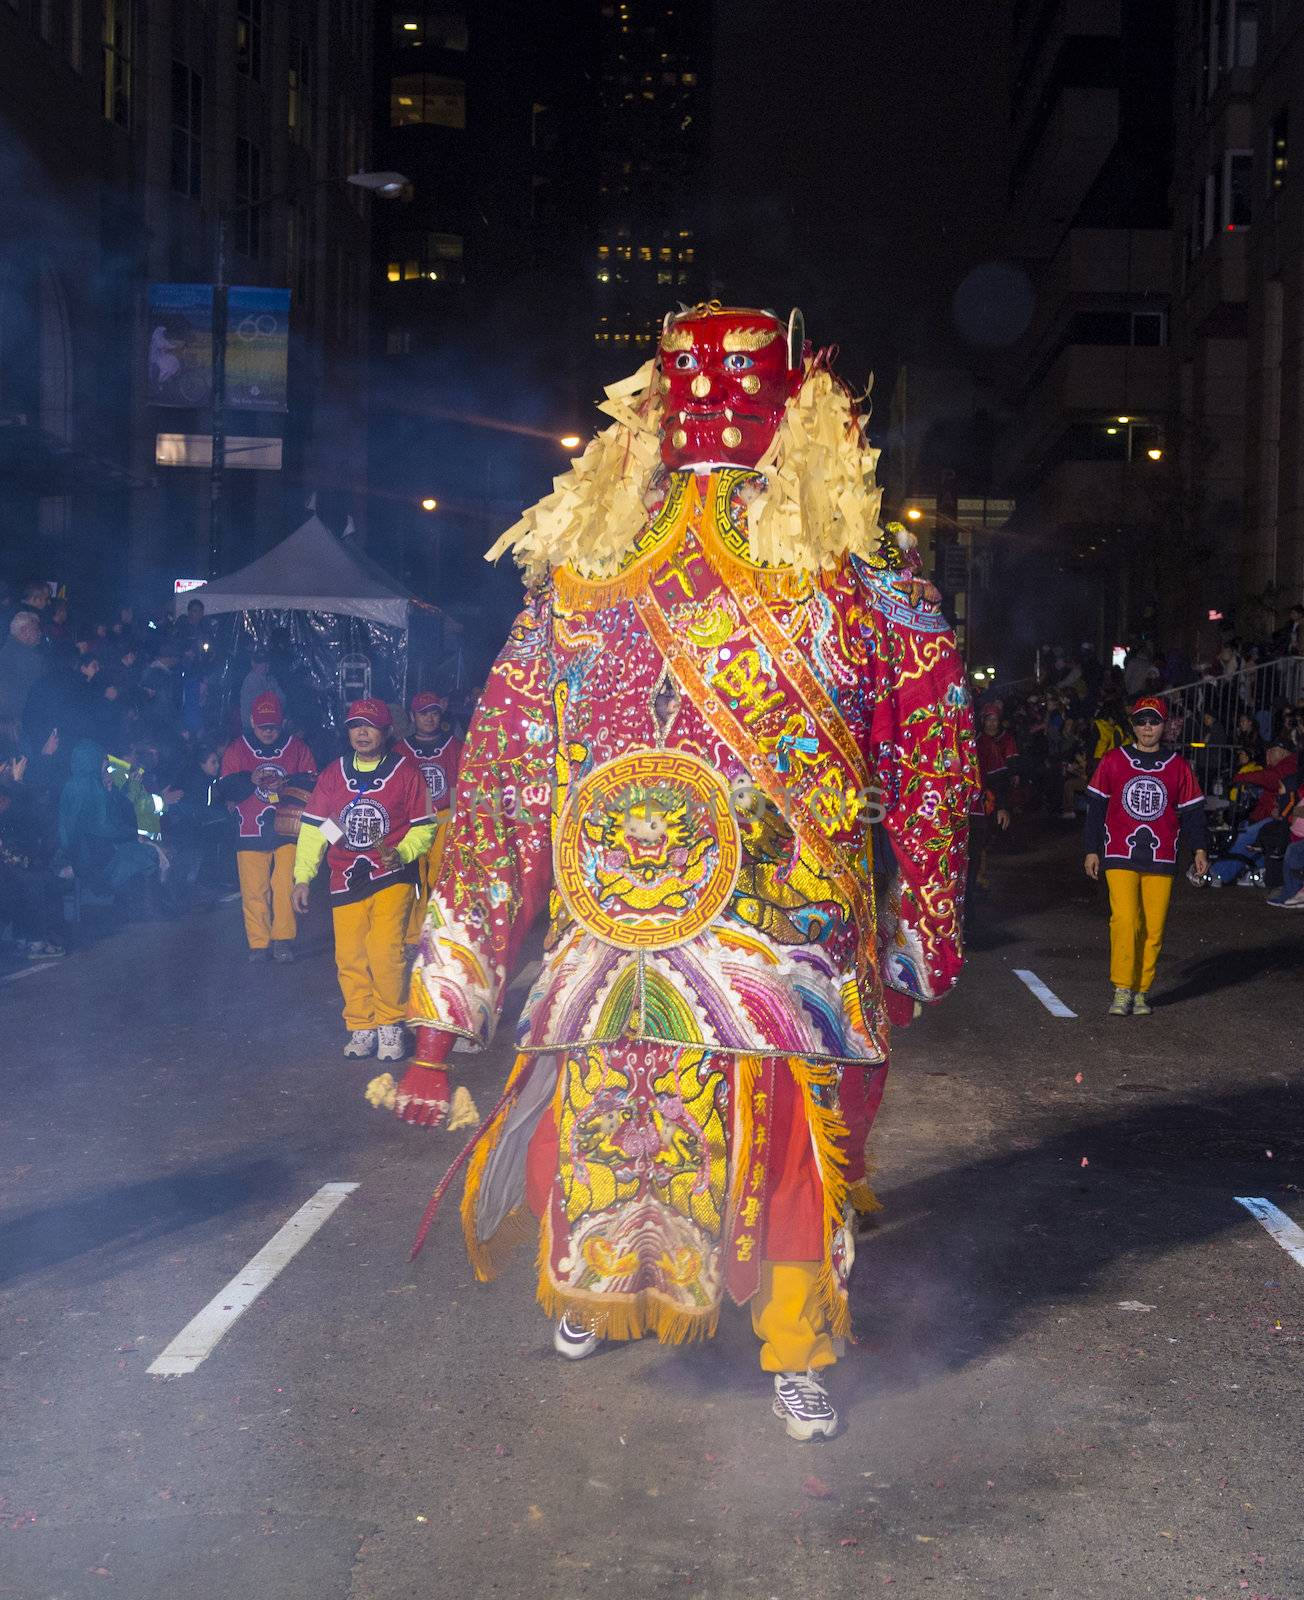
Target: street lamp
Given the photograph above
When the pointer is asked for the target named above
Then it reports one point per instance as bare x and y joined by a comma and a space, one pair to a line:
386, 184
430, 503
570, 441
913, 513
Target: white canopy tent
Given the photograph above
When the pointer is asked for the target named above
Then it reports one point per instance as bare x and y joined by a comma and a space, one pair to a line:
341, 624
311, 570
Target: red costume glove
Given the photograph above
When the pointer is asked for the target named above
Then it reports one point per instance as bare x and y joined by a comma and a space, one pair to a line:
423, 1093
423, 1096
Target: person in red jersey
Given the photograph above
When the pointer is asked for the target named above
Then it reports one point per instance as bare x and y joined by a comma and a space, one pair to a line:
436, 750
1142, 801
257, 770
369, 816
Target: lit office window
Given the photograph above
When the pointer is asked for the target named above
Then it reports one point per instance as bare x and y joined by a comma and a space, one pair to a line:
422, 98
441, 27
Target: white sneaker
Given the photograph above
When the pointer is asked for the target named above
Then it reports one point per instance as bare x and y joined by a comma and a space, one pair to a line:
362, 1042
801, 1399
572, 1342
393, 1042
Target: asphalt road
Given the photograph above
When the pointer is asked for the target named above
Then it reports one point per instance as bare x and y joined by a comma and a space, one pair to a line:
1078, 1368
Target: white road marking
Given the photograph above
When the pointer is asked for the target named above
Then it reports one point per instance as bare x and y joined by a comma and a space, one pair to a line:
199, 1337
1287, 1233
26, 972
1048, 998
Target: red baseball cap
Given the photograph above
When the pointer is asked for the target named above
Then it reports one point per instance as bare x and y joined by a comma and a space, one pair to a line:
369, 713
428, 700
266, 708
1150, 702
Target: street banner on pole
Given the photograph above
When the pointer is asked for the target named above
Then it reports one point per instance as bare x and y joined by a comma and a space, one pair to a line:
257, 347
180, 344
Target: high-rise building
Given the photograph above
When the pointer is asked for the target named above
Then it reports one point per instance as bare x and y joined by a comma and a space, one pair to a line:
1088, 220
130, 126
479, 291
556, 169
653, 94
1238, 424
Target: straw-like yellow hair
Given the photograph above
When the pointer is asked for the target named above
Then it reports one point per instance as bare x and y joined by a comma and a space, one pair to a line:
820, 502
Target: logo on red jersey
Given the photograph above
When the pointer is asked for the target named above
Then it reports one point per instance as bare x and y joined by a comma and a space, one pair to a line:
364, 822
1144, 798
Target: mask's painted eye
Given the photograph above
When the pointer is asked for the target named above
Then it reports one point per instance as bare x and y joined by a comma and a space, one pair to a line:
737, 362
686, 361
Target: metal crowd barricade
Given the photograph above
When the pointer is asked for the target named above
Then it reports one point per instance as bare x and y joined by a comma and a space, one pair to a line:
1203, 715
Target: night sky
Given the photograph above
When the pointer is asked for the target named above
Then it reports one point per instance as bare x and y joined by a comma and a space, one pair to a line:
857, 166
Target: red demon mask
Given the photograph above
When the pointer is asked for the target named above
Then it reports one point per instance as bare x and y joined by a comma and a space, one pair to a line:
726, 376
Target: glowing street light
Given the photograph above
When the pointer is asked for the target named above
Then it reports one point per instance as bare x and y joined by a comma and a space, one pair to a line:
913, 513
430, 503
1125, 420
1155, 453
570, 441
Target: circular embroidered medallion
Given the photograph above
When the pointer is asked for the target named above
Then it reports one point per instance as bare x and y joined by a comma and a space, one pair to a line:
647, 850
365, 822
1144, 798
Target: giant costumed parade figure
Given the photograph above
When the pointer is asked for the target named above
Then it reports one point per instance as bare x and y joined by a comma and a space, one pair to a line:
724, 674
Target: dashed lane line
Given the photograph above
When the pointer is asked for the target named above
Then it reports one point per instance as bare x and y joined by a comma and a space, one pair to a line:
1048, 997
1278, 1225
198, 1339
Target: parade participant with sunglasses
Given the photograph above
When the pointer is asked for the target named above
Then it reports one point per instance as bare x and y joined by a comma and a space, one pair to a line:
1141, 802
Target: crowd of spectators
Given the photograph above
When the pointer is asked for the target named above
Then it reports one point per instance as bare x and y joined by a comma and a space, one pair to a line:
111, 738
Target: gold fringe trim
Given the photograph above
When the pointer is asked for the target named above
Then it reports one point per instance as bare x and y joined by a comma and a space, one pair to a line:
489, 1256
827, 1130
621, 1316
746, 1069
863, 1198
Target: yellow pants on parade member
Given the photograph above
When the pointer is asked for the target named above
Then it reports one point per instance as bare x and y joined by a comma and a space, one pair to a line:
266, 882
369, 818
266, 775
1138, 909
369, 957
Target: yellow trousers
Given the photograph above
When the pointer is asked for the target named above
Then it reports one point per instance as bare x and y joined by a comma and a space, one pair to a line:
369, 957
1138, 908
788, 1320
429, 869
266, 879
